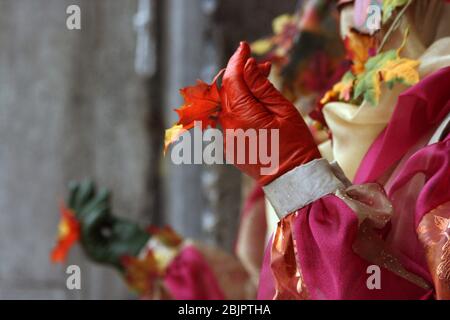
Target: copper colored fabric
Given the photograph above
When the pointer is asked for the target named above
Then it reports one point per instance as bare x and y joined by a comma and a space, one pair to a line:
434, 233
289, 284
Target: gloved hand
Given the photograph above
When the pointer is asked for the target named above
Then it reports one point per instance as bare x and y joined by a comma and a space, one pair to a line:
249, 101
104, 238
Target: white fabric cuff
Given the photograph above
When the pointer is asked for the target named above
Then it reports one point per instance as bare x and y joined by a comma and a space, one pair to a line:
303, 185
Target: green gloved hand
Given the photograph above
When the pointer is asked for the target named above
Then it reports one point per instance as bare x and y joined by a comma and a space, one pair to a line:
104, 237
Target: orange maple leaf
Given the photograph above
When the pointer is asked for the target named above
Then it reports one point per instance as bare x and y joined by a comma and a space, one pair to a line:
141, 274
360, 48
341, 91
166, 235
201, 103
68, 234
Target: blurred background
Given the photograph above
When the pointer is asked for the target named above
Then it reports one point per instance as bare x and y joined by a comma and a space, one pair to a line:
94, 103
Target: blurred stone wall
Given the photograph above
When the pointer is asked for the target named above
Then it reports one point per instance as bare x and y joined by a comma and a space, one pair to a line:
71, 106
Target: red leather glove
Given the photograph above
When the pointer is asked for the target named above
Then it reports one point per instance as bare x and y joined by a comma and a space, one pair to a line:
249, 101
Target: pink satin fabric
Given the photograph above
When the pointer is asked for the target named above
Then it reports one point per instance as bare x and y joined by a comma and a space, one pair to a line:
189, 277
325, 230
266, 289
256, 195
324, 233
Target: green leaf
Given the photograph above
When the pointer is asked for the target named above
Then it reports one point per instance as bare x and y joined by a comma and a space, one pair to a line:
368, 82
385, 67
389, 7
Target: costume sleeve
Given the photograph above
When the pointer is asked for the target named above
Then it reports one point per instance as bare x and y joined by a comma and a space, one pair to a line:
329, 242
303, 185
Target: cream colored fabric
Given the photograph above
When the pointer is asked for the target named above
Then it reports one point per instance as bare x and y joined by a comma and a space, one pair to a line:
354, 127
301, 186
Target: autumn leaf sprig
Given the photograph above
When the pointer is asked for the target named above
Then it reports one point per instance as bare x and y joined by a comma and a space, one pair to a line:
364, 83
201, 103
387, 67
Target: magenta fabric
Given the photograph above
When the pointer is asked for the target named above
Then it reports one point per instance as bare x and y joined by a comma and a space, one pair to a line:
419, 109
433, 162
189, 277
257, 194
325, 230
266, 289
422, 185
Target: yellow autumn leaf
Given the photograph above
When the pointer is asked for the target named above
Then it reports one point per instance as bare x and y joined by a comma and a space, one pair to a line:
279, 25
360, 47
402, 70
261, 47
172, 135
329, 95
341, 90
279, 22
